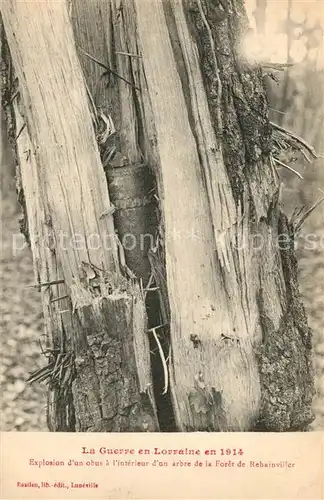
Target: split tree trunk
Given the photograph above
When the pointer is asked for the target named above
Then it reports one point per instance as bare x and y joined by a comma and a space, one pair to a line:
195, 114
95, 318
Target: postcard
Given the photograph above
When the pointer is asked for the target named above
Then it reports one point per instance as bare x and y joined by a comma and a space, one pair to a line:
162, 262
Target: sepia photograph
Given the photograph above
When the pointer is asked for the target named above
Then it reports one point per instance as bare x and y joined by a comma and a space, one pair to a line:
162, 217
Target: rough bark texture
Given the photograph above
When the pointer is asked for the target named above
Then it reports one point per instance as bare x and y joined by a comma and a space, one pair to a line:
99, 349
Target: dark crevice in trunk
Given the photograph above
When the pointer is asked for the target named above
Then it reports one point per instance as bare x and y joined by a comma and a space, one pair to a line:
10, 90
131, 190
163, 401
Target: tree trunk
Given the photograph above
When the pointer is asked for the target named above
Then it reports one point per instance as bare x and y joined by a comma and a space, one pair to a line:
95, 316
190, 110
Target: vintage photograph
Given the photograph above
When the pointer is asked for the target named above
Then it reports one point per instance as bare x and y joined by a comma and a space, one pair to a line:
162, 195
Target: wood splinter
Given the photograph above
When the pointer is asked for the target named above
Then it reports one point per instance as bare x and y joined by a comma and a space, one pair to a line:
110, 210
48, 283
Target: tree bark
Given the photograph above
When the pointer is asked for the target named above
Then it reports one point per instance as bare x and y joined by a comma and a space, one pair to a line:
195, 113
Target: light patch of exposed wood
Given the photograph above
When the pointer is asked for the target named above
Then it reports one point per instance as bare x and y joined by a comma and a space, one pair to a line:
77, 195
46, 266
200, 307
